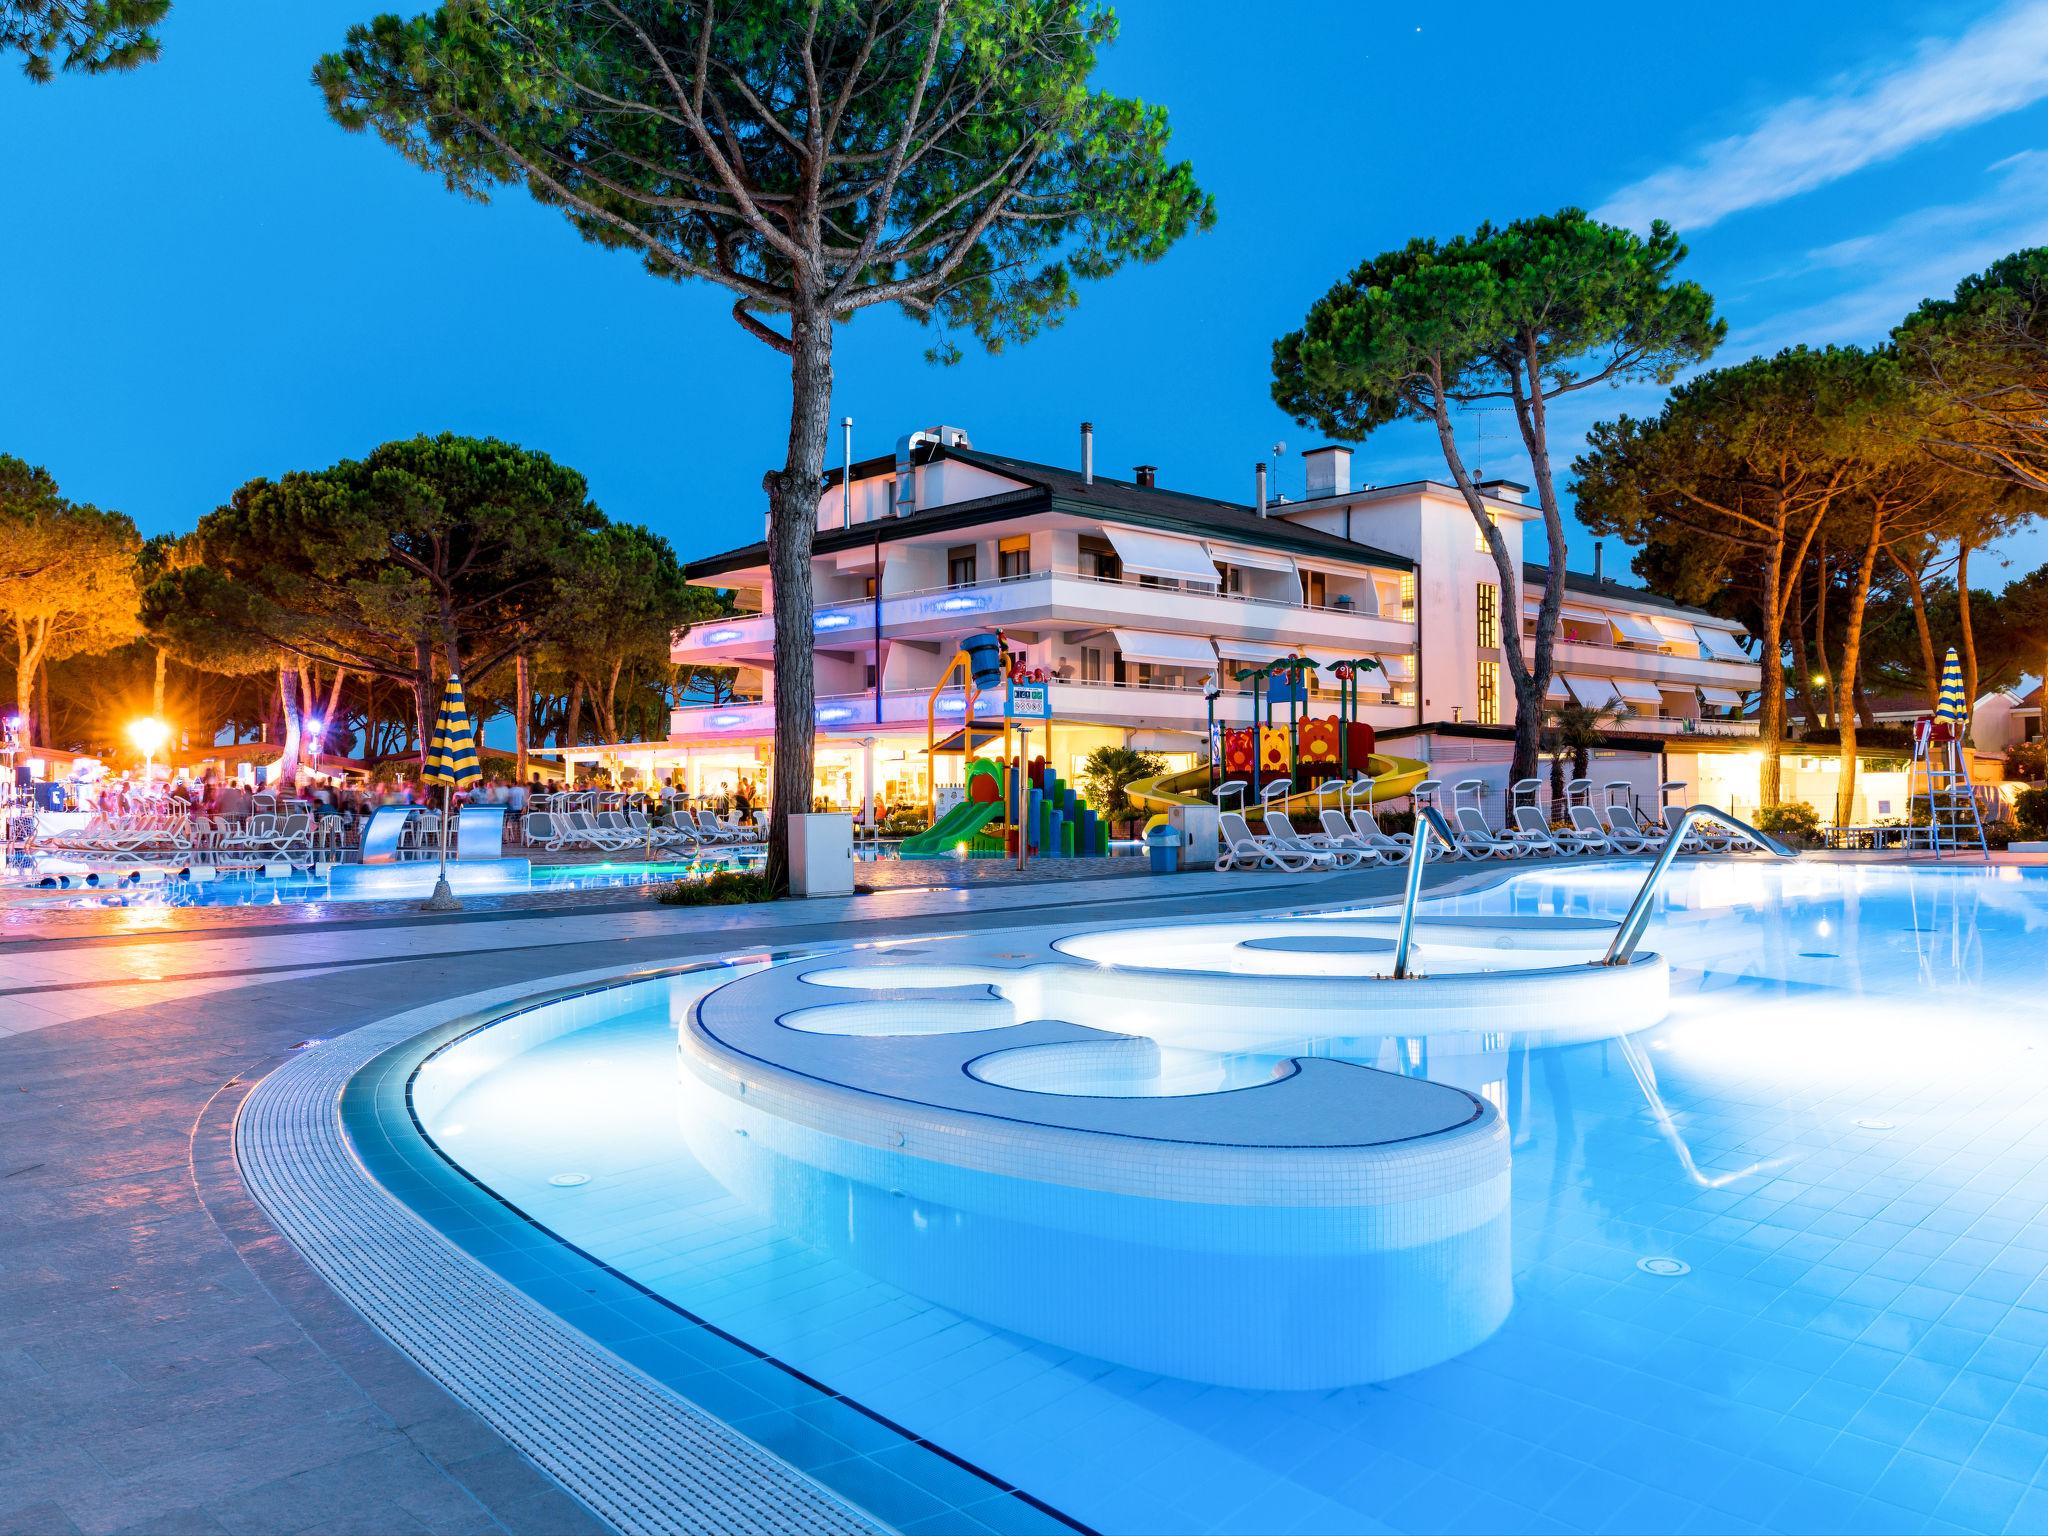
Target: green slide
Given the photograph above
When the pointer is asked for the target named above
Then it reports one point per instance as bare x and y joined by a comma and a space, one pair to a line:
959, 825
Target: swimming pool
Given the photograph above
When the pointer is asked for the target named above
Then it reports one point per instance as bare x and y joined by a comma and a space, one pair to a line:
1777, 1257
69, 887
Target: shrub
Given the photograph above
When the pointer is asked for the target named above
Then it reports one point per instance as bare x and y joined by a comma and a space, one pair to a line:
2030, 813
1869, 738
2027, 760
721, 888
1793, 819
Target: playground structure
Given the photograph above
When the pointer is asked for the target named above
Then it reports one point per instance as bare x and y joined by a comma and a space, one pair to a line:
1011, 806
1303, 754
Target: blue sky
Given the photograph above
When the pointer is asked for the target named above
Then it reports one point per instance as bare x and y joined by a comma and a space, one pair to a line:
208, 281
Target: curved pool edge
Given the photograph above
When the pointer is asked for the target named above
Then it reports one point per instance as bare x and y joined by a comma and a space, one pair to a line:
641, 1455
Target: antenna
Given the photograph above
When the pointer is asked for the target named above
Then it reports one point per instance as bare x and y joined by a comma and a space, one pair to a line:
1279, 453
1479, 434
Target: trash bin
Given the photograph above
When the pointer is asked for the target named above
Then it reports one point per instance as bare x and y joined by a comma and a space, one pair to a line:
1163, 844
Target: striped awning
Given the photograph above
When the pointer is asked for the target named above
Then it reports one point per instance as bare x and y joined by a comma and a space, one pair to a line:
451, 755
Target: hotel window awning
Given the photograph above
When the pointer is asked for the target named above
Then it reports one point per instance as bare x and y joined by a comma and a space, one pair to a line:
1399, 669
1721, 646
1161, 555
1635, 628
1639, 690
1578, 613
1258, 652
1557, 693
1593, 692
1724, 698
1681, 634
1165, 650
1252, 559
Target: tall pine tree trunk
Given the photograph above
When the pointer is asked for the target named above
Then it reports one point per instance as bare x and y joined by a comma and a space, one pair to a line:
793, 493
1770, 683
1968, 630
1845, 686
156, 686
288, 702
522, 714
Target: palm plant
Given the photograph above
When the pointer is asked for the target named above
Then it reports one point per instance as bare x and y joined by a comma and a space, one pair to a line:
1574, 728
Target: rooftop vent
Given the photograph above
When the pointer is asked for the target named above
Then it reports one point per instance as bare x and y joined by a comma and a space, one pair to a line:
1087, 453
1329, 471
1259, 486
906, 446
1148, 476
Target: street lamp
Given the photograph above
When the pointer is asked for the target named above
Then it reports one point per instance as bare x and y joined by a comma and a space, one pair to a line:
149, 735
314, 726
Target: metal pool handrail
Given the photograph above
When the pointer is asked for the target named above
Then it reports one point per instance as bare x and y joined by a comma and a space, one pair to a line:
1428, 820
1630, 933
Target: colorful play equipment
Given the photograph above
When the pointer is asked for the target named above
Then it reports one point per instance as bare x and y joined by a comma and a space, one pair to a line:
1304, 752
1038, 814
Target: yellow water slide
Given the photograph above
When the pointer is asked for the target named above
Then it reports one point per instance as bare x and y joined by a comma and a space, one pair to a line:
1391, 777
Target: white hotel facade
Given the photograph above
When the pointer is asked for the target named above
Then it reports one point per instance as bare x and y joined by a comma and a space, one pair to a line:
1131, 596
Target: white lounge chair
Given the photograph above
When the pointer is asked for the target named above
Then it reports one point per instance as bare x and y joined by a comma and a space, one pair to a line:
1476, 840
1624, 830
1592, 836
1339, 833
1242, 849
1394, 847
1533, 832
1281, 831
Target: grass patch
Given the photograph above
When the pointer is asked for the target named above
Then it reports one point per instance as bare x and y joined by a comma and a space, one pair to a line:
724, 888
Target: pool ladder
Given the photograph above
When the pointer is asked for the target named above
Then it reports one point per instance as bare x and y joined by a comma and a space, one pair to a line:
1429, 822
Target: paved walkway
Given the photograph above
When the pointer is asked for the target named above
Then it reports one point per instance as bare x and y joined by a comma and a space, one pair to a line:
167, 1363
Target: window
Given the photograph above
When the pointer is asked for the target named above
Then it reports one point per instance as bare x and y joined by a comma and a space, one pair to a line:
1100, 560
1315, 588
1013, 558
868, 589
960, 566
1405, 697
1489, 692
1479, 544
870, 676
1408, 596
1091, 664
1489, 618
1229, 578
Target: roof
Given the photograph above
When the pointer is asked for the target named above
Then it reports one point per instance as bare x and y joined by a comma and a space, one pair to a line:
1536, 577
1048, 488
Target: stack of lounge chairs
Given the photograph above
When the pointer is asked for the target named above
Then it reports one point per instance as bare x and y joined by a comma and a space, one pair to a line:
1351, 840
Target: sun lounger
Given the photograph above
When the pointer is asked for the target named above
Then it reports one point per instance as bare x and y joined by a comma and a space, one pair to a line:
1340, 833
1281, 831
1244, 850
1632, 837
1476, 839
1592, 836
1394, 847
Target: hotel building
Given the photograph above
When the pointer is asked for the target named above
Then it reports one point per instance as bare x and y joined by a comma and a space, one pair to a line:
1131, 597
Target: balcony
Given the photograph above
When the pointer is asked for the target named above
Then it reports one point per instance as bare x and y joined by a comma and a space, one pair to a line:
1131, 705
1053, 599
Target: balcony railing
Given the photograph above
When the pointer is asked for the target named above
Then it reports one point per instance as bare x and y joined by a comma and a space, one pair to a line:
858, 612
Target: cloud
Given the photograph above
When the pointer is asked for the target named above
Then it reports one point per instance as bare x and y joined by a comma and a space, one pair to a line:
1920, 255
1997, 66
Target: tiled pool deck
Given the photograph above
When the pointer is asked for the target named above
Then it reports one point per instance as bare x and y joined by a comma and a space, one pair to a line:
169, 1363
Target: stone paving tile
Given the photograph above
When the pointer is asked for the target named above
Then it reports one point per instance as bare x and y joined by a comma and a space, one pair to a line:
167, 1362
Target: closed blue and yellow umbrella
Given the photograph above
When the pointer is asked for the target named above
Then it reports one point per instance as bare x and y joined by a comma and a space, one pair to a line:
1952, 705
451, 755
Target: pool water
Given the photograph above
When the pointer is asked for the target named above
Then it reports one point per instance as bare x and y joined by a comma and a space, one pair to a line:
1780, 1262
251, 889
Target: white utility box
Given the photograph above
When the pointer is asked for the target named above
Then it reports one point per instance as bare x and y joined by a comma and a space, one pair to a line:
821, 855
1201, 838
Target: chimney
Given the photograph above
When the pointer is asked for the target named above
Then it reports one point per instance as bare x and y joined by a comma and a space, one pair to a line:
1148, 476
1259, 480
1329, 471
1597, 576
1087, 453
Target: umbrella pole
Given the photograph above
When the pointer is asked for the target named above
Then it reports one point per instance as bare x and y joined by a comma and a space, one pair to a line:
444, 898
